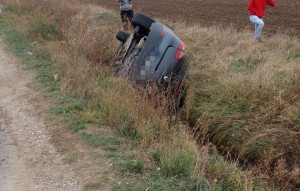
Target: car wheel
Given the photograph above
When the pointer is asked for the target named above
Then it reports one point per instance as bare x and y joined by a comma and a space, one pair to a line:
143, 21
122, 36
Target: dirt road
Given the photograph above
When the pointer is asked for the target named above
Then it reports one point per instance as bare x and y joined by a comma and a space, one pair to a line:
28, 160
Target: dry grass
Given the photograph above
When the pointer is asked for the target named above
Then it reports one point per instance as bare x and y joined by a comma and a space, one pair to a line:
246, 93
244, 96
250, 91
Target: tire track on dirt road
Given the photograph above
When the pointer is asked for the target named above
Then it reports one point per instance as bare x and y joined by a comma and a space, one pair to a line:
28, 160
13, 173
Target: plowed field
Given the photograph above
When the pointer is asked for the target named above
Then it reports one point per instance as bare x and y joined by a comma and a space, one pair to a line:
285, 17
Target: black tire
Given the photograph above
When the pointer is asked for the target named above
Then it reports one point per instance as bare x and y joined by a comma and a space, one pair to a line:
122, 36
143, 21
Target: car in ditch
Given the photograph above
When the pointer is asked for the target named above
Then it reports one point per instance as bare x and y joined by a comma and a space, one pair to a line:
153, 53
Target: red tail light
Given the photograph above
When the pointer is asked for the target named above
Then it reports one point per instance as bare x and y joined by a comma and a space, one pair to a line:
162, 33
180, 51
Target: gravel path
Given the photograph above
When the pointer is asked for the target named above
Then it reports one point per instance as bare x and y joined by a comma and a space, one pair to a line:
28, 160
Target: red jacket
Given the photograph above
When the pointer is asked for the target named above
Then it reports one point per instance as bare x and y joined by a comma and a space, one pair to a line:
258, 7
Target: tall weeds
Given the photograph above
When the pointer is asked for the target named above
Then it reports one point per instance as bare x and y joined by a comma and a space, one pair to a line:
250, 93
243, 96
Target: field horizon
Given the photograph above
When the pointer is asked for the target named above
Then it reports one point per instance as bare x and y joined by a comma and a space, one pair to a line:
282, 19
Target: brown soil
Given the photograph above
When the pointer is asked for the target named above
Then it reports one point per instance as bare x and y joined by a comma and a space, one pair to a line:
28, 159
284, 18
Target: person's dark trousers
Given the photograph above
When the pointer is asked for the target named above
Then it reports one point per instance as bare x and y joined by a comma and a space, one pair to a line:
126, 17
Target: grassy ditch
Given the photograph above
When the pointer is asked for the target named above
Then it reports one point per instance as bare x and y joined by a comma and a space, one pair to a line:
75, 40
246, 95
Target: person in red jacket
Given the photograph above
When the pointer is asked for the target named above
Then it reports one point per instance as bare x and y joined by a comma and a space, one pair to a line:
257, 10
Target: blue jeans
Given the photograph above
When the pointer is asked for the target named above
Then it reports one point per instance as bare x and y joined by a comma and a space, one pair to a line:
259, 25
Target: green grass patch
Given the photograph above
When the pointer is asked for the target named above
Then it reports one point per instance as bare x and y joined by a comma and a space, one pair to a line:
44, 29
15, 39
257, 149
218, 104
112, 154
226, 176
77, 126
69, 108
230, 137
133, 166
244, 65
99, 140
126, 128
156, 156
293, 55
158, 182
15, 9
179, 164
